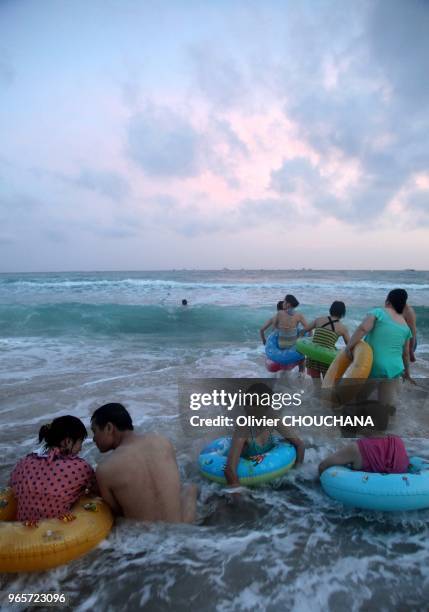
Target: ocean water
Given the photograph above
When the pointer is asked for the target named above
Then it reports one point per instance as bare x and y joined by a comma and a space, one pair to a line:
71, 342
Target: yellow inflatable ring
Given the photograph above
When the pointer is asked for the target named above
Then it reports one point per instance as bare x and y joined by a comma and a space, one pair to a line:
53, 542
344, 369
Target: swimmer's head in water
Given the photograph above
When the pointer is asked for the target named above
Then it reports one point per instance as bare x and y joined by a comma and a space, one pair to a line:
184, 302
290, 302
337, 309
66, 433
107, 423
397, 298
280, 305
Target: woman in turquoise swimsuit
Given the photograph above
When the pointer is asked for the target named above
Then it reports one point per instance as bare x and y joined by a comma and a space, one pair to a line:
387, 333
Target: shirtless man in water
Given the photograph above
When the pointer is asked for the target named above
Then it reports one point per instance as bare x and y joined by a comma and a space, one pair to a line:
140, 479
409, 315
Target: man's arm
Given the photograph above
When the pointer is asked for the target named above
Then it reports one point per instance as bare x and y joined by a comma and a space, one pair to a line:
105, 490
406, 360
412, 354
410, 317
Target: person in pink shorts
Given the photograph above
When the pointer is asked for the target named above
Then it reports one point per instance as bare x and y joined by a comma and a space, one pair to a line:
383, 455
47, 483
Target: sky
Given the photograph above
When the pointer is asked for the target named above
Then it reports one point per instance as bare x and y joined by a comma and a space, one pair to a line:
144, 135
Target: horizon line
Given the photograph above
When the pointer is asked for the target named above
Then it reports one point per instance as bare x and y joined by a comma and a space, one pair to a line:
224, 269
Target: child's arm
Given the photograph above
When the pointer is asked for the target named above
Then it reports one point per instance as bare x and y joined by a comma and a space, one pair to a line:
237, 444
289, 436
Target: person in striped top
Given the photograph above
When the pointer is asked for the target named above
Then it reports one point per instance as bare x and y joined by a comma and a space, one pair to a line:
327, 330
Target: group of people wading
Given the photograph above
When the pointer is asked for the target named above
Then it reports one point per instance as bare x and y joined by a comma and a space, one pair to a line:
140, 478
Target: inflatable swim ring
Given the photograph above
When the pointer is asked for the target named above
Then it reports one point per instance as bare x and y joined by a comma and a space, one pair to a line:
315, 351
272, 366
351, 372
8, 505
342, 367
373, 491
250, 471
53, 542
280, 356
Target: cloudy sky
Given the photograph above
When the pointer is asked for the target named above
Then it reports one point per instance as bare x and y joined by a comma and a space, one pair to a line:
259, 134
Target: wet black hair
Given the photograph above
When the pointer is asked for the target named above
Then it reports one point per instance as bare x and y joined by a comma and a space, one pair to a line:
280, 305
338, 309
258, 389
113, 413
291, 299
184, 302
63, 427
398, 298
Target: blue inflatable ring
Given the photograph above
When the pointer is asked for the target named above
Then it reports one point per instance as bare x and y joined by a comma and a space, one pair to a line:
250, 471
281, 356
373, 491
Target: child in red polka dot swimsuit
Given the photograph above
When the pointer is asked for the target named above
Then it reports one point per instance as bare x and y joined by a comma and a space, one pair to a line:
47, 484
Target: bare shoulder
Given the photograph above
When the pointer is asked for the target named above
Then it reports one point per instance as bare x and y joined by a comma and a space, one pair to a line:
110, 464
111, 470
155, 439
152, 435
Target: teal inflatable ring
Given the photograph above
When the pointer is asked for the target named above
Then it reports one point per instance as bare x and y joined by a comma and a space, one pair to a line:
251, 470
373, 491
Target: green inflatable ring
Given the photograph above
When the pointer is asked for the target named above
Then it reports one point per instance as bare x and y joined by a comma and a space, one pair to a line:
315, 351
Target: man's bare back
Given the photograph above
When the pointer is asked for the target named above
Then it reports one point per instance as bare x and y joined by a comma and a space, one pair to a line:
140, 479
